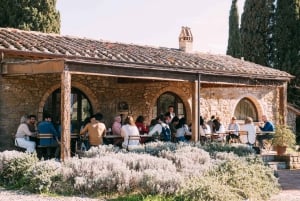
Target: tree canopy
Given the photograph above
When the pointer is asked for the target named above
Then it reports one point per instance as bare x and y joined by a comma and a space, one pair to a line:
287, 43
31, 15
256, 31
234, 40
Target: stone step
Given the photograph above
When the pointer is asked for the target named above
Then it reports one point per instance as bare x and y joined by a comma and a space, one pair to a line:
277, 165
268, 158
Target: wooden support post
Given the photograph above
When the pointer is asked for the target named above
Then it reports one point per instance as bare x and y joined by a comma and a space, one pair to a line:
195, 115
284, 103
65, 115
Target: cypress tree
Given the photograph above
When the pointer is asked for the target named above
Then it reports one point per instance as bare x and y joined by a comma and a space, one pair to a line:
287, 43
34, 15
234, 38
256, 31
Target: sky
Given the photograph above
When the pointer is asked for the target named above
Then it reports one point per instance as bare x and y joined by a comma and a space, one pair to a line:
149, 22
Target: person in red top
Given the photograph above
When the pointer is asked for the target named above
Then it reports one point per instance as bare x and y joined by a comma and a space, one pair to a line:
141, 125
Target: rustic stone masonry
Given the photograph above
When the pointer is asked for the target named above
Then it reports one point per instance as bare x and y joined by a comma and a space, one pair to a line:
292, 160
28, 94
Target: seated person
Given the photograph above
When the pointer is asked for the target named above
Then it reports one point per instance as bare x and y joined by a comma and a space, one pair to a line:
234, 130
219, 129
204, 130
140, 124
161, 129
265, 126
32, 123
46, 127
182, 131
22, 134
116, 130
96, 130
84, 138
251, 131
129, 129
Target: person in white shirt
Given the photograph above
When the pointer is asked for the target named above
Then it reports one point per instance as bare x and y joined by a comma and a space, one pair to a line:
234, 129
182, 130
251, 129
22, 134
129, 129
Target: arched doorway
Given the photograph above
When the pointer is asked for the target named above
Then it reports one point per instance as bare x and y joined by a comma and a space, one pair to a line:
167, 99
80, 107
246, 108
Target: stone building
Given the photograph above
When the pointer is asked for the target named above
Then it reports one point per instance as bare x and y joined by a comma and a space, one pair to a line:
72, 78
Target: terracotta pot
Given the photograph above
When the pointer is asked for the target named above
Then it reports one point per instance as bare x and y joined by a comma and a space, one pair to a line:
280, 150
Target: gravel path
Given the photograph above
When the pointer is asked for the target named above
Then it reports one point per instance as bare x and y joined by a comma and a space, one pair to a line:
9, 195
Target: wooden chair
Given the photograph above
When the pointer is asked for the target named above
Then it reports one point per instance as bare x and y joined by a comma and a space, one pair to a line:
133, 138
17, 147
242, 135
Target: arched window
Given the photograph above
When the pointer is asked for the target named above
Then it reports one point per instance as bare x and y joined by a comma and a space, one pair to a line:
246, 108
167, 99
80, 108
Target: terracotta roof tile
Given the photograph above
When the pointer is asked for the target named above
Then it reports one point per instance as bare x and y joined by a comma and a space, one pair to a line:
86, 49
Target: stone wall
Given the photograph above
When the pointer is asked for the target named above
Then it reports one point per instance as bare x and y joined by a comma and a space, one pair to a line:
27, 95
222, 101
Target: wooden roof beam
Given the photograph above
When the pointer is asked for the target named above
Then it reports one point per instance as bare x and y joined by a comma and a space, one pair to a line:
29, 68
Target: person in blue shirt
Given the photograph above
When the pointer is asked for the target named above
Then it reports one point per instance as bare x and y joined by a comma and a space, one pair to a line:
46, 127
265, 127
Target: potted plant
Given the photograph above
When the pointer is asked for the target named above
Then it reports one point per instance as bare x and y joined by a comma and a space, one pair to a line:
283, 137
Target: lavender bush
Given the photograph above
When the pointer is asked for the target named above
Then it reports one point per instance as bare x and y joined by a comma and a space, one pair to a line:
173, 171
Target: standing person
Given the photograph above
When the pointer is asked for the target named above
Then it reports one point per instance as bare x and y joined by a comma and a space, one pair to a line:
96, 130
265, 126
130, 129
22, 136
182, 132
46, 127
234, 129
171, 111
32, 123
251, 130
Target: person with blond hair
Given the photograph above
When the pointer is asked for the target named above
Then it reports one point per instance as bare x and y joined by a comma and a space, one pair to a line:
251, 132
234, 129
22, 134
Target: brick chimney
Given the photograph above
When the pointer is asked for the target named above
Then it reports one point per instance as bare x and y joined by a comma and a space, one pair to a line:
186, 40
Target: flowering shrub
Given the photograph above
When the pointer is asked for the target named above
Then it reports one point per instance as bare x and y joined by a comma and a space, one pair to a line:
240, 150
141, 162
256, 181
160, 182
100, 151
42, 175
105, 174
208, 188
14, 165
171, 171
187, 159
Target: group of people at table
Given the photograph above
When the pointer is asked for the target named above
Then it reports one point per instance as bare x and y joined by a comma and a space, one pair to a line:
166, 127
251, 133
